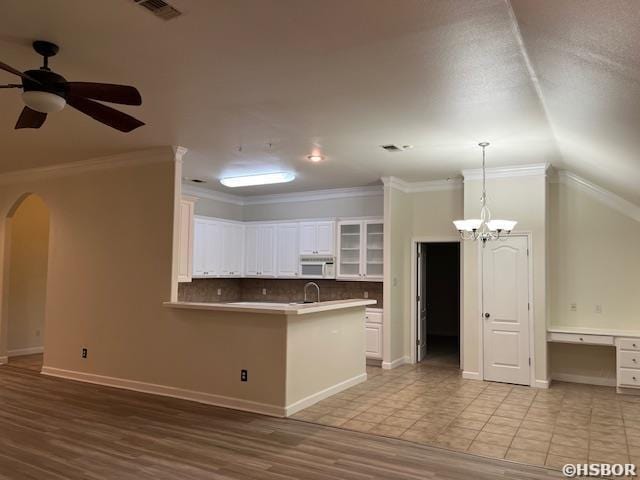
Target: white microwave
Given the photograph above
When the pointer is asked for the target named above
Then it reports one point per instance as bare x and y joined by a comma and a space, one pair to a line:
316, 266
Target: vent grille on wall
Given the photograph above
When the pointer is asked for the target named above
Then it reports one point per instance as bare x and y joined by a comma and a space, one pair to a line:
160, 8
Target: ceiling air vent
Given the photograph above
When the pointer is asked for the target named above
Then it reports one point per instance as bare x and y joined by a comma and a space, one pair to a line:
392, 148
160, 8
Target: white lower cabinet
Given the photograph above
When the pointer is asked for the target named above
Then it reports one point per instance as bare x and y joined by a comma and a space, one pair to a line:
373, 333
628, 363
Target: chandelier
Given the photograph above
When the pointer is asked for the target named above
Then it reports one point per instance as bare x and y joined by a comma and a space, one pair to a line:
484, 228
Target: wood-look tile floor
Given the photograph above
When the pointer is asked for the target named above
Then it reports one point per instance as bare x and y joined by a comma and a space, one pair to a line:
28, 362
432, 405
59, 429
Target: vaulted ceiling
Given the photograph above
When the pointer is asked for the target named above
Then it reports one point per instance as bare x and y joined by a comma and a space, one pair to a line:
250, 86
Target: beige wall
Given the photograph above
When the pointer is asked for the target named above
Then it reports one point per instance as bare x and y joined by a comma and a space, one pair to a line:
29, 244
369, 206
214, 208
522, 199
595, 260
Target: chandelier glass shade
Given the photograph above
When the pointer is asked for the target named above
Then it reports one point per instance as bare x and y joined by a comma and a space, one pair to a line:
484, 228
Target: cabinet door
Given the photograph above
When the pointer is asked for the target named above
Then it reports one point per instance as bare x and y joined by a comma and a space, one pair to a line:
251, 250
350, 250
287, 251
267, 251
374, 248
199, 245
238, 252
373, 339
185, 241
307, 238
228, 248
213, 249
325, 238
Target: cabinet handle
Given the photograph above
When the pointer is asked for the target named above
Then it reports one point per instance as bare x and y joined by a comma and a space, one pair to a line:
634, 345
634, 360
634, 378
581, 339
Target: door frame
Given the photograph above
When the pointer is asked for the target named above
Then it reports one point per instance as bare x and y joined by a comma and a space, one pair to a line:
414, 290
532, 367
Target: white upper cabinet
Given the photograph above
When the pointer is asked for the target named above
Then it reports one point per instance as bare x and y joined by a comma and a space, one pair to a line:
360, 250
218, 248
207, 248
251, 250
260, 250
287, 254
317, 238
232, 249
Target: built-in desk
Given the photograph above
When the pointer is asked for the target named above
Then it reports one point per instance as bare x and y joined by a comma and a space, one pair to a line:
627, 343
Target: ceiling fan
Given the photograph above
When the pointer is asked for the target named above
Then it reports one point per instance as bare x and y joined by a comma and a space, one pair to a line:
44, 91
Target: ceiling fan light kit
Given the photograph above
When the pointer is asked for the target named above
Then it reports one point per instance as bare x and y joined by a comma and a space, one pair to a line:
484, 228
45, 92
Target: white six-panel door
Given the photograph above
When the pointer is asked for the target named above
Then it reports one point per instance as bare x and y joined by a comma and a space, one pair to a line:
505, 294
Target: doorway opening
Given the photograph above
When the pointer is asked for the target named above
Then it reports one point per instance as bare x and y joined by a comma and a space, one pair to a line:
438, 303
25, 279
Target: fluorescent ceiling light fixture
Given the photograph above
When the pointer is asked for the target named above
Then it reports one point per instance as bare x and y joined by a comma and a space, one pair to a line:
261, 179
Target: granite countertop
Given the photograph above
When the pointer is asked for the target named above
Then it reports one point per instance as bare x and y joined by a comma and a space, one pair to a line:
592, 331
273, 308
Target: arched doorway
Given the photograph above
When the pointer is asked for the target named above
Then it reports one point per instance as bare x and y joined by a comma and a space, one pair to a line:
25, 281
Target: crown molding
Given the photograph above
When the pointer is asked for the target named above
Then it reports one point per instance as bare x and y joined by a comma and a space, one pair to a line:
200, 192
535, 169
160, 154
296, 197
598, 193
417, 187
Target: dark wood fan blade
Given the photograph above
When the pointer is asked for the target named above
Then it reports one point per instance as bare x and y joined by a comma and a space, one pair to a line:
107, 115
30, 119
7, 68
105, 92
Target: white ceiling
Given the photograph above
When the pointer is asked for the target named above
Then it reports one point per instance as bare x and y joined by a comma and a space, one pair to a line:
343, 77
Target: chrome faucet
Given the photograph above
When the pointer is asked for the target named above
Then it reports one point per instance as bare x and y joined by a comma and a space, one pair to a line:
311, 284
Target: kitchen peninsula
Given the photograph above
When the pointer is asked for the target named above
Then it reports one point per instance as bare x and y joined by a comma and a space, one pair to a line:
278, 358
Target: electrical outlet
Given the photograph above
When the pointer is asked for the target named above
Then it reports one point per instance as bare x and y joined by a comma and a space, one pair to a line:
573, 307
366, 294
264, 291
85, 352
244, 375
219, 291
598, 309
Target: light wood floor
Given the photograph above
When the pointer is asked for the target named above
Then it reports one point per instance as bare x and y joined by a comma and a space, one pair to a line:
29, 362
55, 429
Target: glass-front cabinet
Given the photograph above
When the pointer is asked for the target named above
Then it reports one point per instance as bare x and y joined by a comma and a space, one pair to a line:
360, 250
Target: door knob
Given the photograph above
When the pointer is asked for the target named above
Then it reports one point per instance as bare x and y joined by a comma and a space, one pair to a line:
487, 315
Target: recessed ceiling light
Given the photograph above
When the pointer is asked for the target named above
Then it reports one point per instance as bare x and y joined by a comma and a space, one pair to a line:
315, 158
261, 179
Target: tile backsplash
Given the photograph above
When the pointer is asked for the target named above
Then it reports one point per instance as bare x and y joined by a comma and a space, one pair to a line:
276, 290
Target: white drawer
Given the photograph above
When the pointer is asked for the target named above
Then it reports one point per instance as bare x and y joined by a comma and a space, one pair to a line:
629, 344
628, 377
629, 359
579, 338
373, 317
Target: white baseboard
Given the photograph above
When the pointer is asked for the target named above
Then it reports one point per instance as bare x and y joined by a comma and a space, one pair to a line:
471, 375
4, 360
326, 393
590, 380
200, 397
25, 351
541, 383
396, 363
